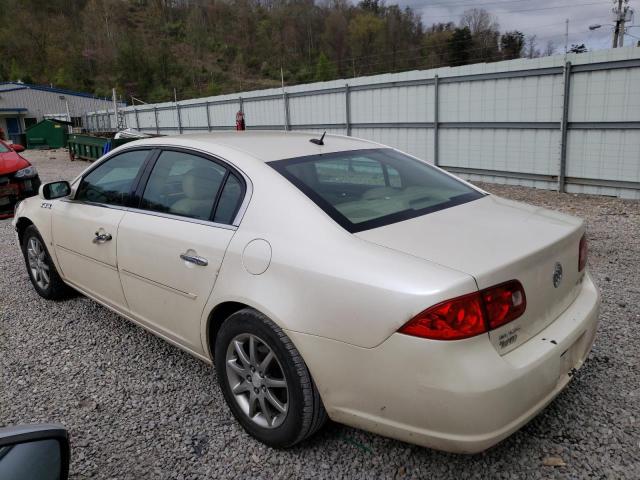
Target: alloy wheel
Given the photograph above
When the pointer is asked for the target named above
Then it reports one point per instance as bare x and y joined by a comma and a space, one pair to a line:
257, 380
37, 258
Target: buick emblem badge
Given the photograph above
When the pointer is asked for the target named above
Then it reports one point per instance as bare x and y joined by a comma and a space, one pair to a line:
557, 275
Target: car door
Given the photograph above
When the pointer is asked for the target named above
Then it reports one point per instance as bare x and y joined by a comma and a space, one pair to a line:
171, 247
85, 228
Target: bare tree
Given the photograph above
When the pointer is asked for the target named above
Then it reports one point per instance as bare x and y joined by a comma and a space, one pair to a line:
549, 49
479, 20
485, 32
530, 47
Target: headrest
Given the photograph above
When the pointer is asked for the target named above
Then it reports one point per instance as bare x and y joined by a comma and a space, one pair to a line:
201, 183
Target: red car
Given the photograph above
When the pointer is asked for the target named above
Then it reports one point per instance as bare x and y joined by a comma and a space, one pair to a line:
18, 178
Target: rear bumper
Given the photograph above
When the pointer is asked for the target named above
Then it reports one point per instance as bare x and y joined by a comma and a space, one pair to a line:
459, 396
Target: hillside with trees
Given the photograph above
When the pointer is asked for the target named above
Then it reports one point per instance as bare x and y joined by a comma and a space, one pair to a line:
146, 48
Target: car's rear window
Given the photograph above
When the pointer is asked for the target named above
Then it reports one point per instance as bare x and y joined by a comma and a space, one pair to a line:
364, 189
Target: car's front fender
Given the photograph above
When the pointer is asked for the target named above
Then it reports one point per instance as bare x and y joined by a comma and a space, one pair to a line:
36, 211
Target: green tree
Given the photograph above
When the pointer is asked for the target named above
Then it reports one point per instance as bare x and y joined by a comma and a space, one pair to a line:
366, 35
336, 36
460, 46
325, 70
512, 44
436, 44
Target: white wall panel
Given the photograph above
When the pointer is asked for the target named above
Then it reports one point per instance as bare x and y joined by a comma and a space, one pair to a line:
192, 117
329, 108
604, 154
224, 114
417, 142
263, 112
398, 104
528, 99
605, 96
146, 118
167, 118
526, 151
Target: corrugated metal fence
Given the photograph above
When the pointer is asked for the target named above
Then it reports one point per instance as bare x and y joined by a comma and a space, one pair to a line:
568, 123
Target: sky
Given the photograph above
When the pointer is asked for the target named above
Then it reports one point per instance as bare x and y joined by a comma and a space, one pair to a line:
544, 18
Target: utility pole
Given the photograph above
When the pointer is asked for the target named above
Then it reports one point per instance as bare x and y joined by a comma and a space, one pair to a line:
566, 36
621, 11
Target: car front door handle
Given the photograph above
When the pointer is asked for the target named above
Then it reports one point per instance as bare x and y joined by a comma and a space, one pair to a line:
102, 237
203, 262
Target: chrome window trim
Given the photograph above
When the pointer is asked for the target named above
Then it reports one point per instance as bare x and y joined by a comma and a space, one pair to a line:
236, 221
154, 214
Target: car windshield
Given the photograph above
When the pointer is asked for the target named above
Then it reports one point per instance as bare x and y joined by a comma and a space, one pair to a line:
4, 148
364, 189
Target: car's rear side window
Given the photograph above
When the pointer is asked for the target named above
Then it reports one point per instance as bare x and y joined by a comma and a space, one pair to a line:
364, 189
192, 186
229, 201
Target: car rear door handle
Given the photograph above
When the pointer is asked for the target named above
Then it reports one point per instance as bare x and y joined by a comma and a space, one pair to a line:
203, 262
102, 237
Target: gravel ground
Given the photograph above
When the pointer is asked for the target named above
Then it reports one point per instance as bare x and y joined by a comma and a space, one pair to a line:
137, 407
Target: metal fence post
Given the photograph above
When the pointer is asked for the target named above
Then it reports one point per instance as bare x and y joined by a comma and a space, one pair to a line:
206, 106
563, 127
135, 112
155, 116
436, 108
287, 116
347, 106
179, 118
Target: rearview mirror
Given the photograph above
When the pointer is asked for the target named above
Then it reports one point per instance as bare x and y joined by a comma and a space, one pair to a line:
16, 147
52, 190
34, 451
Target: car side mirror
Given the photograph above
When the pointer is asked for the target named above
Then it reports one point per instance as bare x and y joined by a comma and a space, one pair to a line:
16, 147
34, 451
52, 190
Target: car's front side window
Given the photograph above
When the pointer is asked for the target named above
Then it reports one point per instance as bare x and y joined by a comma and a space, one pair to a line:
112, 181
191, 186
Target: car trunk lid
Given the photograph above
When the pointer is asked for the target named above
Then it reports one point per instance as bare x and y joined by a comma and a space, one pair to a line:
496, 240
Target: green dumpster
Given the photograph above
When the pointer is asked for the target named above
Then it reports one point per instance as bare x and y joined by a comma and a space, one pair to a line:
48, 133
88, 147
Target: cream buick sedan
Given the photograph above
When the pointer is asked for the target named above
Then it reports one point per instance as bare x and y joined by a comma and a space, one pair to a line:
327, 277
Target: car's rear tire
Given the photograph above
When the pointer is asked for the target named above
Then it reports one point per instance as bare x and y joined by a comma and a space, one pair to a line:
41, 269
258, 386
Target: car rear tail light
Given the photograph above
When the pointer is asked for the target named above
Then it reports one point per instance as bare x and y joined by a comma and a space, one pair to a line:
454, 319
584, 253
504, 303
469, 315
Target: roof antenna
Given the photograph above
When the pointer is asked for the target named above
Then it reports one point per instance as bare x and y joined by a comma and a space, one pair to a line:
319, 141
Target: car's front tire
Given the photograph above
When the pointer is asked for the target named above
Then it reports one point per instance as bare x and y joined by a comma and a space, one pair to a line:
265, 381
41, 269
